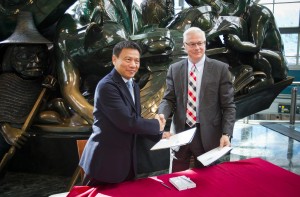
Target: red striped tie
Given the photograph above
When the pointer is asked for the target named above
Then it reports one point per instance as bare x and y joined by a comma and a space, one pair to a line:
191, 104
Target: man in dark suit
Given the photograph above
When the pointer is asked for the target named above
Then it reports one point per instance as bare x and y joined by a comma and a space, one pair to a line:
110, 153
212, 109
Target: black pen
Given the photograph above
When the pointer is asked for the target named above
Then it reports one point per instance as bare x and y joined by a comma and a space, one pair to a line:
165, 185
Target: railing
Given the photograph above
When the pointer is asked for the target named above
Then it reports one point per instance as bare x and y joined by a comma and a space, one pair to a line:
293, 105
293, 102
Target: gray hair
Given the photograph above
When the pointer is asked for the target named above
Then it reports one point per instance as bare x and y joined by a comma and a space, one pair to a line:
193, 30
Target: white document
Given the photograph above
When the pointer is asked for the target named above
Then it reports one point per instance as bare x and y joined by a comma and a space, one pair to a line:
179, 139
213, 155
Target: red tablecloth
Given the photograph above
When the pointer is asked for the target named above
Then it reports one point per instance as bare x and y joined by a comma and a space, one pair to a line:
251, 177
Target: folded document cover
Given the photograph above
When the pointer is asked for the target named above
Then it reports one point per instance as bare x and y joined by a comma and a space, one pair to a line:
179, 139
213, 155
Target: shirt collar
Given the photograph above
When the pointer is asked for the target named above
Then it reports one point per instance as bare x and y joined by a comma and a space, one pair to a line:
126, 80
198, 64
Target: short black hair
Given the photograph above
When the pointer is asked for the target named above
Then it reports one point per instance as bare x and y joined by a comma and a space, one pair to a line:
125, 45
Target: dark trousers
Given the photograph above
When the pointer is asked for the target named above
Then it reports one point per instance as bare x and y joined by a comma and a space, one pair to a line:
183, 155
89, 181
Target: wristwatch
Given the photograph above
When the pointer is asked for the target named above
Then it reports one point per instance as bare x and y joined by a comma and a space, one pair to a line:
226, 134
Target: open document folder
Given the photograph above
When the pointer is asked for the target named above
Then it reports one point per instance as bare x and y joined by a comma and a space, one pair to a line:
213, 155
179, 139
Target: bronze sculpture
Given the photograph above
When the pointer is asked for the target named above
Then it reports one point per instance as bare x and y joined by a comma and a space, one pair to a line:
24, 66
263, 42
86, 32
45, 14
78, 50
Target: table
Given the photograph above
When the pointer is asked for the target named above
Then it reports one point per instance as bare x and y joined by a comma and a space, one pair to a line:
248, 178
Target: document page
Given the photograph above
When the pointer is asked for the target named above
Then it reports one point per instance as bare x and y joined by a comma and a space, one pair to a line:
213, 155
182, 182
179, 139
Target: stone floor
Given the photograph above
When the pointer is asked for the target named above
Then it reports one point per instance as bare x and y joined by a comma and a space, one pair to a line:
32, 185
249, 140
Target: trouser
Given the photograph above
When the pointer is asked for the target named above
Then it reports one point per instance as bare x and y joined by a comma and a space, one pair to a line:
89, 181
183, 155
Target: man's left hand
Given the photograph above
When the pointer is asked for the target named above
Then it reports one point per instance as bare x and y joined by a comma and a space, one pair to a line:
225, 141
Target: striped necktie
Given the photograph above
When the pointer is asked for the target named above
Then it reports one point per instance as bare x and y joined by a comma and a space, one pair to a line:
191, 103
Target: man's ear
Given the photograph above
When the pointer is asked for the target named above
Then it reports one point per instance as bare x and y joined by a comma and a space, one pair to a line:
114, 59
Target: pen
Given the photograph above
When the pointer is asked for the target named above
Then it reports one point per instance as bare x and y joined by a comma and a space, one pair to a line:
165, 185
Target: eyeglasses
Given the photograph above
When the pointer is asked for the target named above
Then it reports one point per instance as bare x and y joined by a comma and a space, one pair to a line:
193, 45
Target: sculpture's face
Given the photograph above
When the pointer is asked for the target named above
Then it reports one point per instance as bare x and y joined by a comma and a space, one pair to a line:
97, 45
202, 17
13, 6
12, 3
29, 60
111, 34
205, 21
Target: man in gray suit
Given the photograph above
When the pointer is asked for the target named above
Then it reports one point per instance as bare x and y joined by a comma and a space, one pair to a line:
213, 100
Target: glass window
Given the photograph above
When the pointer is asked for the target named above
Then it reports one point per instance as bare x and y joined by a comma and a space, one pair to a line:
290, 44
285, 1
270, 6
287, 15
265, 1
291, 49
292, 62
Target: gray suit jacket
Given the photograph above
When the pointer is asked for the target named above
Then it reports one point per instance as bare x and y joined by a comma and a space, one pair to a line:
216, 113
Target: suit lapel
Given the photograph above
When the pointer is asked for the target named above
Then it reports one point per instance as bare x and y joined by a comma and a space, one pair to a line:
207, 73
184, 81
137, 98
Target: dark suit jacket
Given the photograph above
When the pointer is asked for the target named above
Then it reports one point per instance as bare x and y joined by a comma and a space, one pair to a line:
110, 150
216, 112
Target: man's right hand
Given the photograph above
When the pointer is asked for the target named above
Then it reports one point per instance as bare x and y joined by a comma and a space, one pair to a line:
166, 135
162, 121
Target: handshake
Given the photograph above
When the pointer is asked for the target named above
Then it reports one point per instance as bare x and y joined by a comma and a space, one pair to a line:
162, 123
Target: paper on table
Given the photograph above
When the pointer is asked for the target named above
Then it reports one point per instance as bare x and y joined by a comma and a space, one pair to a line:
182, 182
179, 139
213, 155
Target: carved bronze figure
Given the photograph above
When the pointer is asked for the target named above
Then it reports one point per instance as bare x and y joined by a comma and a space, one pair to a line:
86, 33
24, 66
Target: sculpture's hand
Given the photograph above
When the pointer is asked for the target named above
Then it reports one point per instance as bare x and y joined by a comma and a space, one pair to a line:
97, 16
13, 136
92, 35
232, 41
158, 44
49, 82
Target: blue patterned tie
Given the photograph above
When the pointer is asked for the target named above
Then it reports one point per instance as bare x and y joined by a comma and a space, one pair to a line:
130, 87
